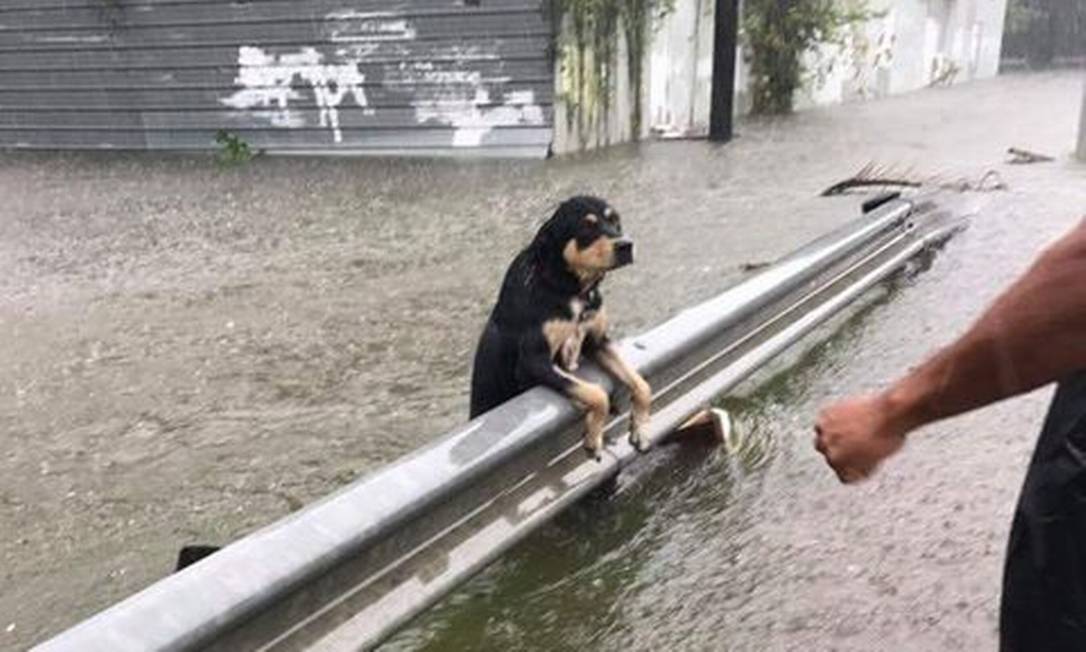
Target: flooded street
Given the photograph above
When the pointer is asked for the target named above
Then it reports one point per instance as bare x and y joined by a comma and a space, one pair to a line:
192, 352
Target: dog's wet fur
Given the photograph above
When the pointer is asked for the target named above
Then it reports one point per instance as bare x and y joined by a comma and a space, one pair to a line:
550, 313
189, 555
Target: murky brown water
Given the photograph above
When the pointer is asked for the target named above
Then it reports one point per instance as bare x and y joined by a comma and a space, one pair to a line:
192, 353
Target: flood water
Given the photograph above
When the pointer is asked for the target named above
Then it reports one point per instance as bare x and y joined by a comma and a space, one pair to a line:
194, 352
766, 551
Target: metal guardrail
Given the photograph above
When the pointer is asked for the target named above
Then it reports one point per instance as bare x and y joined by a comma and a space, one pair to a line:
346, 572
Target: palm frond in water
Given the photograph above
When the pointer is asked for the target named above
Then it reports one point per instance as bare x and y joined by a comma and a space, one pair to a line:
872, 175
875, 176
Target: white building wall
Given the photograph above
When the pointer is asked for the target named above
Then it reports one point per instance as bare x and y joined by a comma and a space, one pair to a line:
581, 121
681, 69
915, 44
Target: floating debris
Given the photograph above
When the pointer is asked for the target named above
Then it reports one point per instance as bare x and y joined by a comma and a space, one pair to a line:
875, 176
872, 175
991, 181
753, 267
1021, 156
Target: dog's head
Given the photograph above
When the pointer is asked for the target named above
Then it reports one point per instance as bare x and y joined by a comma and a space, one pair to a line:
585, 235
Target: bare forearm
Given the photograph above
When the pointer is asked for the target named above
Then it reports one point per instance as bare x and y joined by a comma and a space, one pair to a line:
1034, 334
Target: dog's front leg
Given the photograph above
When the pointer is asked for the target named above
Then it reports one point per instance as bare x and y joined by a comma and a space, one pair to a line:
640, 392
536, 366
597, 406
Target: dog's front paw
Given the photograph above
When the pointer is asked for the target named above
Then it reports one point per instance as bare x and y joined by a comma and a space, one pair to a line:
595, 419
593, 443
593, 446
639, 440
641, 395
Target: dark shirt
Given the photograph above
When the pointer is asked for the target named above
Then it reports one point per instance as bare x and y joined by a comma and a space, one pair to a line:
1044, 581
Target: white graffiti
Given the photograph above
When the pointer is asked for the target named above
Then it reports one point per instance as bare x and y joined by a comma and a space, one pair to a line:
462, 99
474, 119
269, 81
465, 103
367, 26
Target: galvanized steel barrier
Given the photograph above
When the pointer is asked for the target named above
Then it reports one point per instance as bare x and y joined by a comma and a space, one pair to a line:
346, 572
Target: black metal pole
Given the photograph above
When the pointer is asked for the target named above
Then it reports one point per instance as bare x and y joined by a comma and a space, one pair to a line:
725, 40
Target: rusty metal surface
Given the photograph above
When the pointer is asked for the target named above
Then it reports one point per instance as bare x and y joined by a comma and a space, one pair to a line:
417, 76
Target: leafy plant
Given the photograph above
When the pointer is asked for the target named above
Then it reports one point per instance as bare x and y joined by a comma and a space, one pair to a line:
778, 33
233, 149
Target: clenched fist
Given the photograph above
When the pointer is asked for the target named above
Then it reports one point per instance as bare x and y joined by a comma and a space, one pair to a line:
857, 434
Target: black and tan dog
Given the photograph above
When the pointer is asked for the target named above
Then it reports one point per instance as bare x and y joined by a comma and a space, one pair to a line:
550, 312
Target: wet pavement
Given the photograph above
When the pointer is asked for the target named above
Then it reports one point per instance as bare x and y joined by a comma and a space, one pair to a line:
192, 352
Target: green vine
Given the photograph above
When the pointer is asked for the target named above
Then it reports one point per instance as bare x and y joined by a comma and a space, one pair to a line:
778, 33
637, 32
589, 53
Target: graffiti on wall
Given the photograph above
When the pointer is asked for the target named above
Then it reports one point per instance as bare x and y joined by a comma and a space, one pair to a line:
465, 101
268, 81
280, 84
368, 27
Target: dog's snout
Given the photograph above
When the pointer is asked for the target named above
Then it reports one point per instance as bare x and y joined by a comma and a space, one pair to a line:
623, 252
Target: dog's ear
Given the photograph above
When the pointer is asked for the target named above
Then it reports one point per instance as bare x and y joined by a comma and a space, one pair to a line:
543, 234
548, 236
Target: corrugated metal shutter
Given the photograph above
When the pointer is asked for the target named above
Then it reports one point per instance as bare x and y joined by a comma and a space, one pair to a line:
361, 76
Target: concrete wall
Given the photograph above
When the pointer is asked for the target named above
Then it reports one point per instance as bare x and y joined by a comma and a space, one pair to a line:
583, 119
681, 70
917, 43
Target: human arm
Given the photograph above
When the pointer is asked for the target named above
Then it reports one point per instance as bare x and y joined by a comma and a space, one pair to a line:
1034, 334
